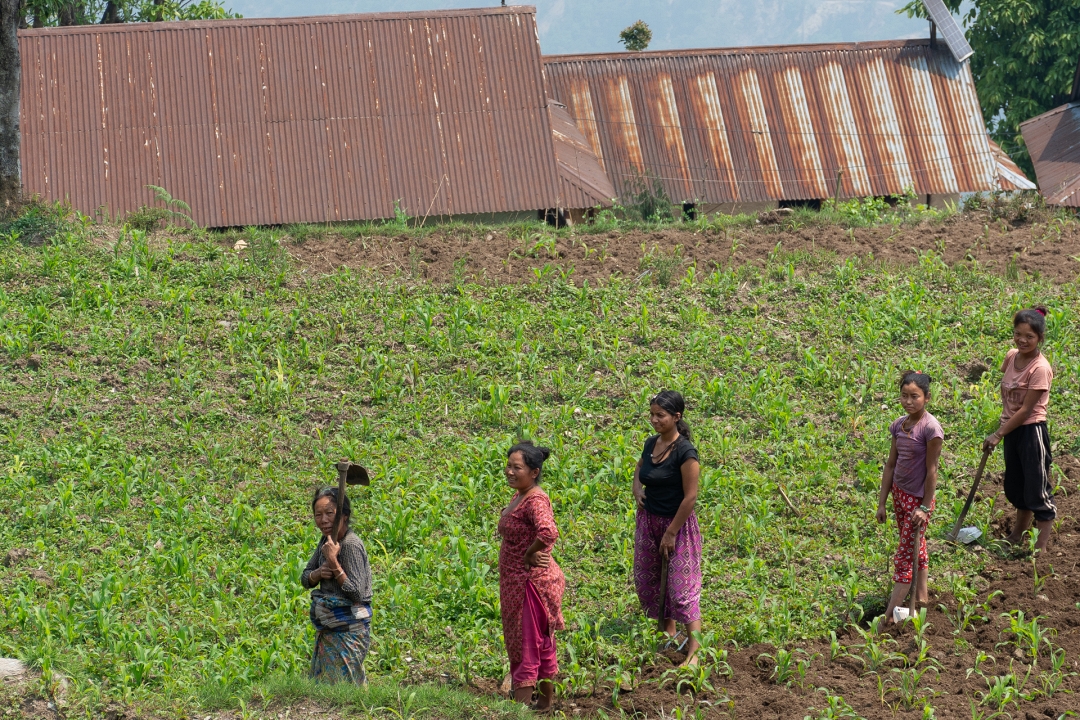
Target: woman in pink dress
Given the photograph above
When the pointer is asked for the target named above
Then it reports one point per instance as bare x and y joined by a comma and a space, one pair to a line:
530, 582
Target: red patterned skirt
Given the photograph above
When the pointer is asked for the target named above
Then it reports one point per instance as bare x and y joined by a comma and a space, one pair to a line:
905, 505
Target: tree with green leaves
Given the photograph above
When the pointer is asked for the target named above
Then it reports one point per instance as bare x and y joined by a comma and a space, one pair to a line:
15, 14
636, 37
46, 13
1026, 54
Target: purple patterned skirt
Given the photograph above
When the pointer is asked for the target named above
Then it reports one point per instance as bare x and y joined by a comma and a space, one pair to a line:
684, 567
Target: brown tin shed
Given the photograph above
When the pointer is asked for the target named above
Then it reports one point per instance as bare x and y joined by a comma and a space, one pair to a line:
260, 122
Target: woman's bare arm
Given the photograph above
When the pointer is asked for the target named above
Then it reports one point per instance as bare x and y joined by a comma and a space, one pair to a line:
691, 471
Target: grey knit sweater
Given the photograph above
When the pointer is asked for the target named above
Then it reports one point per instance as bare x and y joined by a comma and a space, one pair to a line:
354, 561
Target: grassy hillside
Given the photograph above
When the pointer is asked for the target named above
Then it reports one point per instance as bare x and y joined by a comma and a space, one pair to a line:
167, 407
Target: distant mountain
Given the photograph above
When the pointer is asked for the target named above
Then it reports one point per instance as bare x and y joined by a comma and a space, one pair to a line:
574, 26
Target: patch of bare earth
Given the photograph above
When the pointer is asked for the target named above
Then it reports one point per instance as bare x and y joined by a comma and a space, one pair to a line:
1045, 248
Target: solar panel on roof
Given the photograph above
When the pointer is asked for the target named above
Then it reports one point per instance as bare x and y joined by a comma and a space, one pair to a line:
949, 29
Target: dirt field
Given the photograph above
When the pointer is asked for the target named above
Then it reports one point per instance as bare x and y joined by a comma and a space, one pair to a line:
1041, 246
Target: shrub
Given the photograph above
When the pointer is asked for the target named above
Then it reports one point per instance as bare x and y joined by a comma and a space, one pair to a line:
148, 218
648, 198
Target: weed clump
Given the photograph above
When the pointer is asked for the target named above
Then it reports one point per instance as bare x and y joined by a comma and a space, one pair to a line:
172, 211
659, 265
37, 222
147, 219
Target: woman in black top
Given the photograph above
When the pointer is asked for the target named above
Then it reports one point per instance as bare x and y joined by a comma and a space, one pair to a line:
666, 487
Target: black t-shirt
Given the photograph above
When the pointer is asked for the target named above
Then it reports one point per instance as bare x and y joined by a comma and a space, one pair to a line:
663, 481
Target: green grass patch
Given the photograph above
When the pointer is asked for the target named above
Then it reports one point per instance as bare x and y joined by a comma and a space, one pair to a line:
380, 699
168, 407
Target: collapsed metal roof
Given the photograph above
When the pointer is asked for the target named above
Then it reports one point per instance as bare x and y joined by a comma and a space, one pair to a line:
258, 122
780, 123
582, 180
1010, 177
1053, 140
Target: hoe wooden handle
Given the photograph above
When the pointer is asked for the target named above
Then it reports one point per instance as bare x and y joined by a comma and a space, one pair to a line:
915, 570
342, 473
664, 561
951, 537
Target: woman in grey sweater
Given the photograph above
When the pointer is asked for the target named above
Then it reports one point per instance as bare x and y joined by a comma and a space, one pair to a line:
341, 600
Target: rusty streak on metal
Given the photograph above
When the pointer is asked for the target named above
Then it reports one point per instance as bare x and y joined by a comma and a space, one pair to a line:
258, 122
781, 123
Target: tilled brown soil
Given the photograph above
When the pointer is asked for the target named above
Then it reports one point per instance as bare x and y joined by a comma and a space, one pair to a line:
959, 681
1035, 246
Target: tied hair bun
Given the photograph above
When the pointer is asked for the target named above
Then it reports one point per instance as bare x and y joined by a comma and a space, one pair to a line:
1033, 317
918, 378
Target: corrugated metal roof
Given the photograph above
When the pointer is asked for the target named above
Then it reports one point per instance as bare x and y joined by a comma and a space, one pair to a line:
778, 123
1053, 139
316, 119
582, 181
1009, 175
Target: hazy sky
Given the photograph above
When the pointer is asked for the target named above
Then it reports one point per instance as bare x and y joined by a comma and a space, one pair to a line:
571, 26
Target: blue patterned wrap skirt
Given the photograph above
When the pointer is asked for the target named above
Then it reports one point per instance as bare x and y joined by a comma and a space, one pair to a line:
342, 640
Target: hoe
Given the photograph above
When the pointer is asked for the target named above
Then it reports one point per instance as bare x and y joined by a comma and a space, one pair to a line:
952, 535
348, 474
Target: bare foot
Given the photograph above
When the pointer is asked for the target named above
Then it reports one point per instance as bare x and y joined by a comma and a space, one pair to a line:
690, 662
545, 698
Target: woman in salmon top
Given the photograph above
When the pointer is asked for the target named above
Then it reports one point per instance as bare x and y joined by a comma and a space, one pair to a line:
530, 582
1025, 394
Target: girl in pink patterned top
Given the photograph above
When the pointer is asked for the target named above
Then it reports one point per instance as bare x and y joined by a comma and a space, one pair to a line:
911, 475
530, 582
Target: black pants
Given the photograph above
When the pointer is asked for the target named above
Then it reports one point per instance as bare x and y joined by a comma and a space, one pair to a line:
1027, 470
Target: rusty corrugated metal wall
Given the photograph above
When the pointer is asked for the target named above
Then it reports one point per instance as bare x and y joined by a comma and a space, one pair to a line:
778, 123
1053, 139
257, 122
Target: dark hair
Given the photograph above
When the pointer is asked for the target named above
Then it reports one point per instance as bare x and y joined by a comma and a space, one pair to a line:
331, 492
673, 403
919, 379
1035, 318
533, 456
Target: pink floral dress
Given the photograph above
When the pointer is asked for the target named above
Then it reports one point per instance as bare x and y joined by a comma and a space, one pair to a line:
533, 518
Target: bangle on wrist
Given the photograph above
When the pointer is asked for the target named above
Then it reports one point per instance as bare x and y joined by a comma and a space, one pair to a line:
924, 509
